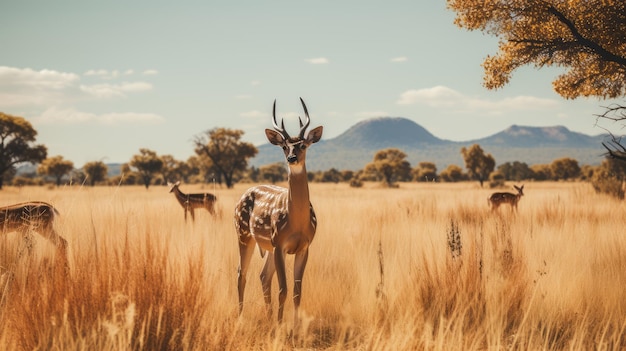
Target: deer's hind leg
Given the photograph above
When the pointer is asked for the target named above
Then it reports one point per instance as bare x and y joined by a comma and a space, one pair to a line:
59, 242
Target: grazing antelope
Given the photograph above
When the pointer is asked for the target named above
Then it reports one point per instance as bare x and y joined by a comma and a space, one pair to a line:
193, 201
37, 216
279, 221
497, 199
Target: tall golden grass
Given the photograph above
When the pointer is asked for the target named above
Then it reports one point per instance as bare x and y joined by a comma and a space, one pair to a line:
425, 266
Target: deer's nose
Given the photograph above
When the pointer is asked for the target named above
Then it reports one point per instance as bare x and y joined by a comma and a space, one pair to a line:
292, 158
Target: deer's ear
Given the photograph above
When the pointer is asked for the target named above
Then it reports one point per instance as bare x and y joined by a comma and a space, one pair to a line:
315, 135
274, 137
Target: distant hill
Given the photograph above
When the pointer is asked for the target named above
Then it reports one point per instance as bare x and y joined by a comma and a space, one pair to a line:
356, 146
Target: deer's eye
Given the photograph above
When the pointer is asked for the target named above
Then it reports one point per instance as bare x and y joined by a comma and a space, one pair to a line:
302, 147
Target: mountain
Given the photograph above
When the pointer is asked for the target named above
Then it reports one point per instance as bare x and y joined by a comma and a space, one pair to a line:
533, 137
356, 147
386, 132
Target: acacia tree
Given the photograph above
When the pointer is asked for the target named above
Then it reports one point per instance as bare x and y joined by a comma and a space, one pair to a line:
148, 164
16, 138
479, 165
452, 173
273, 173
391, 165
96, 171
564, 169
174, 170
425, 172
226, 151
588, 37
56, 167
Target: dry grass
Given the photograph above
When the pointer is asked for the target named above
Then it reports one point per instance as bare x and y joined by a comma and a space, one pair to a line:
425, 266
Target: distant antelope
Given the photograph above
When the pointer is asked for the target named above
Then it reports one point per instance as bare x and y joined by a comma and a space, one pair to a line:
193, 201
36, 216
497, 199
279, 221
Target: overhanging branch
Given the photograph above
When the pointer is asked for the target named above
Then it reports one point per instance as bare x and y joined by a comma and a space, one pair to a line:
595, 47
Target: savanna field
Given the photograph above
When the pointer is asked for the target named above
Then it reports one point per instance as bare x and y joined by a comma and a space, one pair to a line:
426, 266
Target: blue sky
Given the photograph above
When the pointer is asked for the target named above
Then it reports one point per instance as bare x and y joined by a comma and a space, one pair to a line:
99, 80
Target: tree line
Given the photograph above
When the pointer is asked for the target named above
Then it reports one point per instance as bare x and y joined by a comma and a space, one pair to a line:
222, 157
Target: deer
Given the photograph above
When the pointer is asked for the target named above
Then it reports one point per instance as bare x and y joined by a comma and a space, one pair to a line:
279, 221
497, 199
189, 202
37, 216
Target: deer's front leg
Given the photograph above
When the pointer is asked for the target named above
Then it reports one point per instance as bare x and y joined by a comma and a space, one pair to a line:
279, 262
298, 273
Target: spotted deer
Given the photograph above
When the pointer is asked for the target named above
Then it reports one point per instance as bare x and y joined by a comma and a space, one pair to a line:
189, 202
497, 199
34, 216
279, 221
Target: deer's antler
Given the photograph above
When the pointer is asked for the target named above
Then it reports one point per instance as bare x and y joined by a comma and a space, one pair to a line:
304, 126
280, 129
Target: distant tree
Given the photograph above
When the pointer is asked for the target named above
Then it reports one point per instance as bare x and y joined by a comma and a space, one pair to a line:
452, 173
541, 172
356, 181
227, 152
96, 171
564, 169
391, 165
331, 176
586, 172
148, 164
479, 165
515, 171
16, 138
175, 170
347, 175
496, 180
609, 178
425, 172
55, 167
587, 37
253, 174
127, 176
273, 173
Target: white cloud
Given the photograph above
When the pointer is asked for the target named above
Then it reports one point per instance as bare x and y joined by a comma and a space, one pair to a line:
115, 90
318, 61
36, 91
103, 73
399, 59
150, 72
24, 86
243, 96
25, 78
435, 96
444, 97
56, 115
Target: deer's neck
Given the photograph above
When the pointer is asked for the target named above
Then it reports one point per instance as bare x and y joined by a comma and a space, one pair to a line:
299, 193
182, 198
